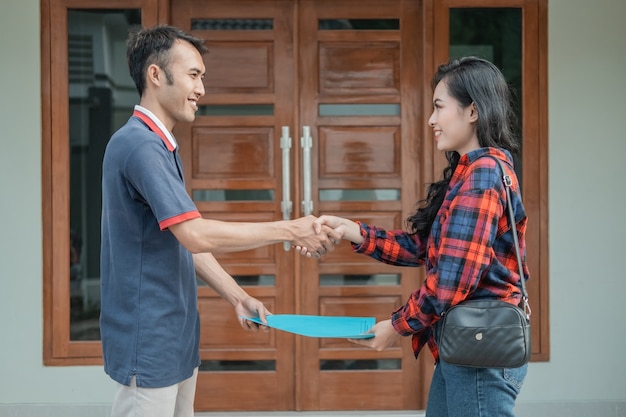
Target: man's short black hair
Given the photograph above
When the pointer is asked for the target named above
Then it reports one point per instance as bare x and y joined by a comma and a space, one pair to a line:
149, 46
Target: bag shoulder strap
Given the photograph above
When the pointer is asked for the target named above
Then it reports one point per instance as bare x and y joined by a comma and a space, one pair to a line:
506, 179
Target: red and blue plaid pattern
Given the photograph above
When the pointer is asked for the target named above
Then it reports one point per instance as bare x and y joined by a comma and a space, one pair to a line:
470, 252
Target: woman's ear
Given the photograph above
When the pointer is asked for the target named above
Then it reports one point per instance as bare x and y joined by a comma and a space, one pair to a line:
473, 115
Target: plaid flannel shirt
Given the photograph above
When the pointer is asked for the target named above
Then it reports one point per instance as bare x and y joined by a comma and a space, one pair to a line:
470, 252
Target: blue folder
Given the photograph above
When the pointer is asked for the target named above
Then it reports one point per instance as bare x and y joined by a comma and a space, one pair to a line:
321, 326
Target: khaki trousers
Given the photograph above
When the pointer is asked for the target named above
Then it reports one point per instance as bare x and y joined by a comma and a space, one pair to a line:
173, 401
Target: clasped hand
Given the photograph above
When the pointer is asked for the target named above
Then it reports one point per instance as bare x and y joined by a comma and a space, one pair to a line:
315, 238
332, 228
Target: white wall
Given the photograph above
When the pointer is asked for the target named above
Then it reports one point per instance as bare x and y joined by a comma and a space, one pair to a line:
23, 378
587, 91
587, 108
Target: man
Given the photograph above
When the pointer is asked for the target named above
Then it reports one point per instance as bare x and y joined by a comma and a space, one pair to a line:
153, 237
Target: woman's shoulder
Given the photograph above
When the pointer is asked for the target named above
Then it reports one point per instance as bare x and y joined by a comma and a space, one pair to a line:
488, 157
483, 170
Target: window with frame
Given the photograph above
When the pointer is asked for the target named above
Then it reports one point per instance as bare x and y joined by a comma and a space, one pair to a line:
86, 95
513, 34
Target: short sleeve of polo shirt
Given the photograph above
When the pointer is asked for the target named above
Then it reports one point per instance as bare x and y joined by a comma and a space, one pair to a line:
157, 177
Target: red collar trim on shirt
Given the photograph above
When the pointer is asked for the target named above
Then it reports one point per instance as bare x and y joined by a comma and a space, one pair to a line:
155, 128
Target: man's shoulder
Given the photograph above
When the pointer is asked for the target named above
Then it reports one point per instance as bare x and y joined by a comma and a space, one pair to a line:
133, 136
133, 128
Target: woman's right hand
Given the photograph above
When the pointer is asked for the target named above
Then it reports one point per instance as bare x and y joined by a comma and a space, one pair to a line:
346, 228
336, 228
385, 336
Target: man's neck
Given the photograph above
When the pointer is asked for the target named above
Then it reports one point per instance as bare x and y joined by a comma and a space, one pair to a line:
156, 125
158, 112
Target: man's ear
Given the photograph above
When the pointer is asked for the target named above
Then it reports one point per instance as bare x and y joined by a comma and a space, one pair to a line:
153, 74
473, 113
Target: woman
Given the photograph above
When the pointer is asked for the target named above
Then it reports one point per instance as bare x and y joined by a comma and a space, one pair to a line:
460, 233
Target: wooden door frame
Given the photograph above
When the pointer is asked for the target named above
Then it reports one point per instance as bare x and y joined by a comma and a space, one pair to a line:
535, 142
58, 349
214, 388
413, 63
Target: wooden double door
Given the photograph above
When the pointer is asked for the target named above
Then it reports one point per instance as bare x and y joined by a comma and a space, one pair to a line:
310, 107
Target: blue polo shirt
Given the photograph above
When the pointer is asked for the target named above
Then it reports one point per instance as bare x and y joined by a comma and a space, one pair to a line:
149, 319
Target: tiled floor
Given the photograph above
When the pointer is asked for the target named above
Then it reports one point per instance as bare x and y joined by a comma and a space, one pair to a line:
316, 414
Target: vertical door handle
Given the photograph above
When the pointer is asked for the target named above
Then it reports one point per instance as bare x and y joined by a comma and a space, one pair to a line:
307, 143
286, 205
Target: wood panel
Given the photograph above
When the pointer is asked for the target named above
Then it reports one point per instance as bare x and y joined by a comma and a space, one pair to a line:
233, 153
238, 156
221, 331
386, 384
356, 151
366, 153
231, 391
239, 67
358, 68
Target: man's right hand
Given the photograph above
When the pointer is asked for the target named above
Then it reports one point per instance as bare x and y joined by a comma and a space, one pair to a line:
318, 241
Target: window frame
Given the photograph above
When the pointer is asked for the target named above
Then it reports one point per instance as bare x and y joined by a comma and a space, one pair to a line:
58, 349
534, 137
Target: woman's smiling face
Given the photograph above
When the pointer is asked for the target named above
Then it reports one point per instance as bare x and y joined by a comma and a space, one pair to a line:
454, 127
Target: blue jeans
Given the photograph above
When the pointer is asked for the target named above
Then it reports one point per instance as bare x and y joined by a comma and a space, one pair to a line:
457, 391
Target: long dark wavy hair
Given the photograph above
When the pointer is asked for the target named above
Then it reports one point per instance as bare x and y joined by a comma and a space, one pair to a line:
470, 80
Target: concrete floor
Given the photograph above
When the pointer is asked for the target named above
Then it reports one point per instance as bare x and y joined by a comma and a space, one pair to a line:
314, 414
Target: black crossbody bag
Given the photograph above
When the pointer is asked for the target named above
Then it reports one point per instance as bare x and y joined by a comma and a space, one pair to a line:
488, 333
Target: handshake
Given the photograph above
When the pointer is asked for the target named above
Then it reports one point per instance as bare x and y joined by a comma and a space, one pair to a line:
314, 236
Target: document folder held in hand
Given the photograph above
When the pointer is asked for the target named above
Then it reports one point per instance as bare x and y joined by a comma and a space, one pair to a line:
321, 326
